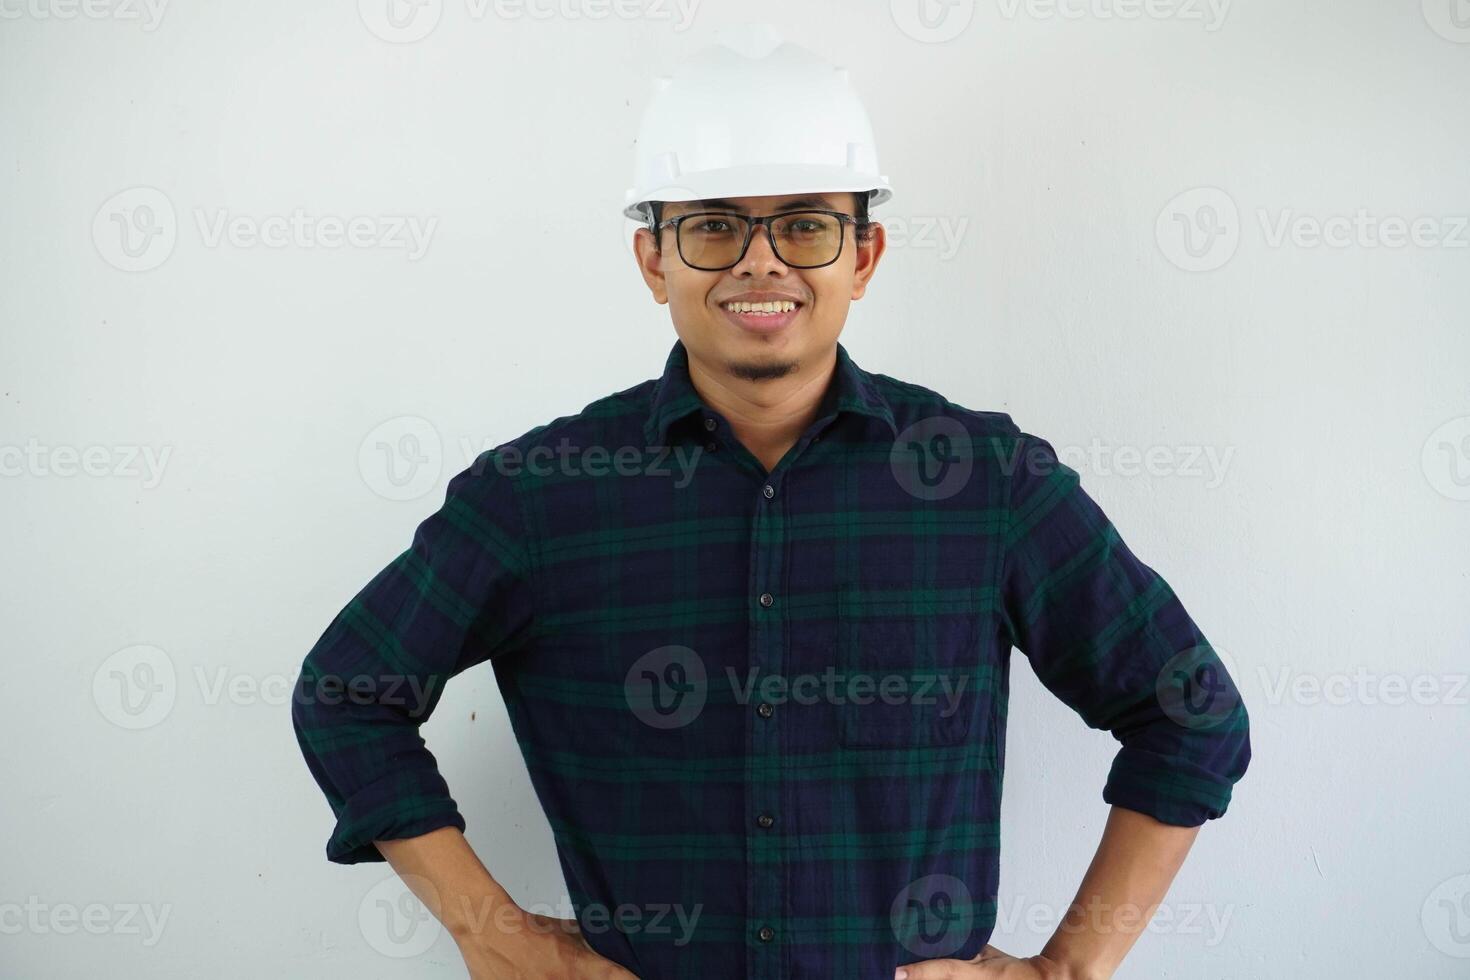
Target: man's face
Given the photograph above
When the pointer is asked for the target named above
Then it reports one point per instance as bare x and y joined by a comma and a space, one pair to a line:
750, 345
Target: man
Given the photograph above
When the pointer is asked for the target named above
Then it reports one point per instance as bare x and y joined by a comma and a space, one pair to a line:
752, 627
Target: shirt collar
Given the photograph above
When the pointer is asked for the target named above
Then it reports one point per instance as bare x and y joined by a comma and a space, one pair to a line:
852, 390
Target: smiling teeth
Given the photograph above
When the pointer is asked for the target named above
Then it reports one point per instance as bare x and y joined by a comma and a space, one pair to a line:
777, 306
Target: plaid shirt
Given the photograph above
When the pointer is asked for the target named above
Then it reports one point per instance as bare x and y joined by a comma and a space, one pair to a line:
764, 712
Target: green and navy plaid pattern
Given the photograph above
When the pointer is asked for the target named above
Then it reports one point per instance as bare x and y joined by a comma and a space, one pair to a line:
765, 712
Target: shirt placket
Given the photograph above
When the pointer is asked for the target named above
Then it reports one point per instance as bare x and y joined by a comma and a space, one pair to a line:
768, 935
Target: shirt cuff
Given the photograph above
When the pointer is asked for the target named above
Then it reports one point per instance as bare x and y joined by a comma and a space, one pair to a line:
398, 805
1170, 789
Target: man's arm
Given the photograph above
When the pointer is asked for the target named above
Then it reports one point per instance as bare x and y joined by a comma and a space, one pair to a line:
495, 936
458, 595
1128, 878
1107, 635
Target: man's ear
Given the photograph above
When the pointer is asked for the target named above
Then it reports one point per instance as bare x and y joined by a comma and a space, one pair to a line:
650, 264
868, 254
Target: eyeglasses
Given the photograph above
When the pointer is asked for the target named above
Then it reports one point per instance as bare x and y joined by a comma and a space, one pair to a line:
716, 240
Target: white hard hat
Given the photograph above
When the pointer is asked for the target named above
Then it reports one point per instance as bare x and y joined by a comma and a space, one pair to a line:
753, 116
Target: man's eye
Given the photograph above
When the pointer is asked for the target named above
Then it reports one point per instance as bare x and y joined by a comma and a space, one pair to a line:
714, 225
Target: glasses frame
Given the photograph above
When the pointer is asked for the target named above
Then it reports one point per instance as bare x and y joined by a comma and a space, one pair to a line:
752, 222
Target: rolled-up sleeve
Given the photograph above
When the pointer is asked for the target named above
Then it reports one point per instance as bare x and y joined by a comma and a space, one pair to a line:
1107, 635
457, 596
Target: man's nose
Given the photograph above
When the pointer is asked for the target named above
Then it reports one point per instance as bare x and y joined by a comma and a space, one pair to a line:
761, 256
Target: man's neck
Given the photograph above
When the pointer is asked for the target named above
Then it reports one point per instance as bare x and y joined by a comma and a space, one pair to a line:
767, 416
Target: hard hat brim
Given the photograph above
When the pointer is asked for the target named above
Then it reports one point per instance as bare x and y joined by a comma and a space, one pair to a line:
758, 181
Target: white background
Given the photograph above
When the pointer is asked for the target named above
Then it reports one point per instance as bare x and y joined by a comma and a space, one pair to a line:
1044, 150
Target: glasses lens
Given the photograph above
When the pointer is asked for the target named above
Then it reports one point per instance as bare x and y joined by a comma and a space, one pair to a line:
807, 238
803, 239
711, 241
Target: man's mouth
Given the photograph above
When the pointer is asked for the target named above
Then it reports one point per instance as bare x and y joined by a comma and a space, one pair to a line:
773, 308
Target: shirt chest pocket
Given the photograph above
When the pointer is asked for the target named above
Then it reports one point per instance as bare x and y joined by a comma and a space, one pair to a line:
905, 680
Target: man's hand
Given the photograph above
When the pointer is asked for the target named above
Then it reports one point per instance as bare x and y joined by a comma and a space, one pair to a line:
542, 949
990, 964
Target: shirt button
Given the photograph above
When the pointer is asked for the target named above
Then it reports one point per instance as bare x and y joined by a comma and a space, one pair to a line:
767, 599
765, 819
765, 709
766, 934
709, 425
769, 491
711, 446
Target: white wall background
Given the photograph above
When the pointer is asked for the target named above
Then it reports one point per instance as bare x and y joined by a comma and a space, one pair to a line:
1035, 268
